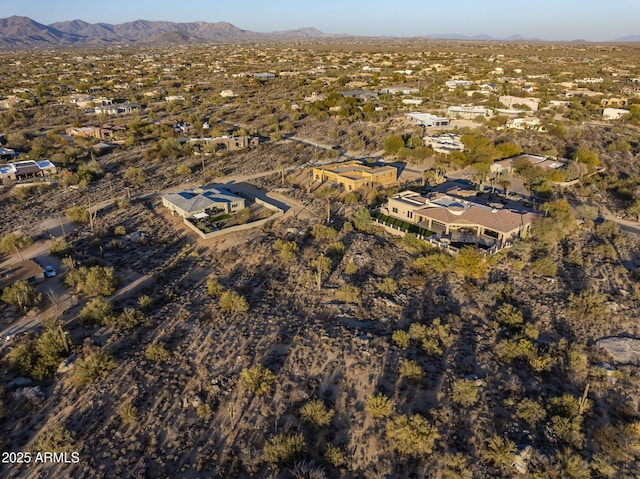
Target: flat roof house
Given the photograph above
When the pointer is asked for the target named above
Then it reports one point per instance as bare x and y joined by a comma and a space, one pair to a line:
355, 174
207, 199
27, 270
461, 220
27, 169
469, 112
427, 119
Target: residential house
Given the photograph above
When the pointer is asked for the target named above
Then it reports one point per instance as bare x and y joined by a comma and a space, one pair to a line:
469, 112
101, 133
231, 143
364, 95
427, 119
453, 84
444, 144
412, 101
614, 102
546, 163
461, 220
356, 174
614, 113
200, 202
27, 169
526, 123
227, 94
116, 109
6, 153
512, 101
27, 270
401, 90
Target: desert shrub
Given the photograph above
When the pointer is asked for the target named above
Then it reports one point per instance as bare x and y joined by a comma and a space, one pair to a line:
412, 435
57, 440
233, 302
204, 412
323, 232
39, 359
157, 352
59, 247
456, 466
545, 267
288, 250
257, 379
94, 281
128, 413
348, 294
379, 406
509, 316
213, 287
119, 230
401, 338
283, 448
92, 367
470, 263
464, 392
572, 465
361, 219
334, 455
129, 318
437, 262
499, 451
530, 411
351, 268
316, 413
78, 214
588, 305
145, 302
411, 370
337, 249
98, 310
387, 286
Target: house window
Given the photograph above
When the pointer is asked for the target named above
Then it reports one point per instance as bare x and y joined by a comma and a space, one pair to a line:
410, 214
395, 210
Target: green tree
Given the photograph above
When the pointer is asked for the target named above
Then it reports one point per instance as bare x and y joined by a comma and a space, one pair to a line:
412, 435
393, 144
12, 242
21, 295
362, 219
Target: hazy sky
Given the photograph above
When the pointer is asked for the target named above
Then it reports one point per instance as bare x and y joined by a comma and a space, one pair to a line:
545, 19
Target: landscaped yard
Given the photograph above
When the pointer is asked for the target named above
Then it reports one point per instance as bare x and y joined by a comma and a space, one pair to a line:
403, 225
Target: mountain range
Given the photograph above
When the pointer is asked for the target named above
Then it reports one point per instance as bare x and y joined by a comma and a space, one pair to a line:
23, 32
